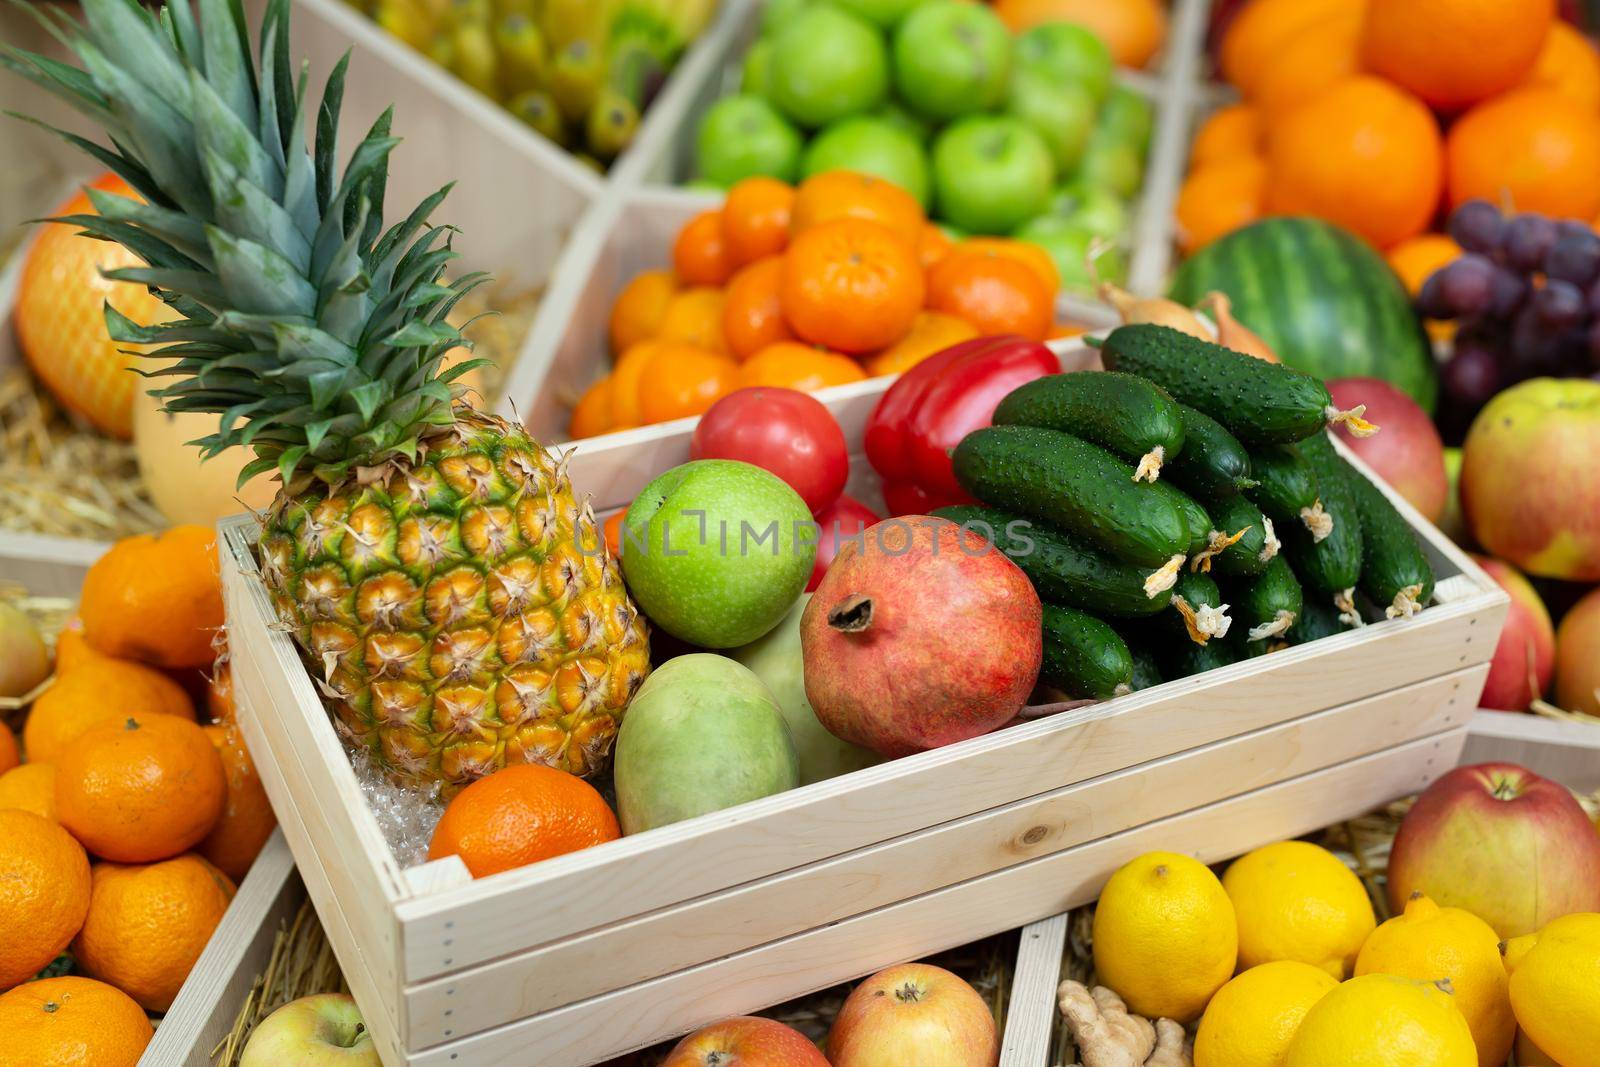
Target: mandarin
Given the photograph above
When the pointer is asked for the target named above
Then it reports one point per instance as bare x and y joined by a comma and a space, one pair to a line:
994, 293
95, 691
931, 331
1235, 130
637, 313
71, 1022
1454, 53
591, 415
30, 787
1218, 198
1530, 150
682, 380
694, 316
851, 285
520, 815
44, 893
838, 194
1568, 63
792, 365
756, 218
752, 309
156, 598
699, 256
1262, 28
246, 820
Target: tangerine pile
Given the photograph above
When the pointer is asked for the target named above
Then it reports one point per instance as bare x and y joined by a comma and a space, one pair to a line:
1377, 114
839, 279
124, 823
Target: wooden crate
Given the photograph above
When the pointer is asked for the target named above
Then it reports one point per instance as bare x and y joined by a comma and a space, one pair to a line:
1567, 752
610, 949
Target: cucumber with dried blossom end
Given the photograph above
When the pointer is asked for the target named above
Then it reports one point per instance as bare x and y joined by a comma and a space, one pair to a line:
1083, 656
1213, 463
1062, 569
1330, 568
1198, 613
1266, 606
1123, 414
1287, 490
1195, 518
1395, 573
1260, 403
1184, 659
1243, 541
1318, 619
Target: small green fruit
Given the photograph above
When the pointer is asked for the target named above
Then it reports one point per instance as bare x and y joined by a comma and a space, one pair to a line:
743, 136
870, 145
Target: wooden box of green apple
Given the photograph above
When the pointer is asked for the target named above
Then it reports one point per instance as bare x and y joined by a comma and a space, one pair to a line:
611, 948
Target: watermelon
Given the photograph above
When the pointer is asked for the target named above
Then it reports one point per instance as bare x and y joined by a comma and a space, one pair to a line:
1321, 297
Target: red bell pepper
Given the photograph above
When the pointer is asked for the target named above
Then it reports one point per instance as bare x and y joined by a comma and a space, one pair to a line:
936, 403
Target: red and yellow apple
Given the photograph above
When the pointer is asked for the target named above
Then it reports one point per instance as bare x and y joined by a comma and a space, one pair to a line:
1530, 486
1496, 839
914, 1015
1406, 452
322, 1030
1525, 658
745, 1041
1578, 656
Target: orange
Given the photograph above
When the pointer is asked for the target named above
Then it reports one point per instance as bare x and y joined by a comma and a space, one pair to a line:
993, 293
44, 894
837, 194
1362, 154
591, 416
60, 317
156, 598
694, 316
1219, 197
681, 380
96, 691
71, 1022
520, 815
755, 219
625, 384
1568, 63
247, 820
612, 529
1235, 130
1027, 253
1328, 51
792, 365
933, 245
31, 787
1529, 150
71, 648
1132, 29
1261, 29
931, 331
142, 789
147, 925
752, 310
637, 313
851, 285
9, 756
699, 256
1453, 53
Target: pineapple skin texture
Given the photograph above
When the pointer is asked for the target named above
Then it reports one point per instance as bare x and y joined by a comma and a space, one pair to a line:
461, 613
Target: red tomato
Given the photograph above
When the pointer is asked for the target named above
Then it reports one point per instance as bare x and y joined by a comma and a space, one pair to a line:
846, 518
784, 431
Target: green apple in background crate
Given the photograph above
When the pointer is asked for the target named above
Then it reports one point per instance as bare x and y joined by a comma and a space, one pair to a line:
1024, 135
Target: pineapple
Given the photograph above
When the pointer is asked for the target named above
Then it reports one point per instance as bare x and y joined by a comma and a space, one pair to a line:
453, 599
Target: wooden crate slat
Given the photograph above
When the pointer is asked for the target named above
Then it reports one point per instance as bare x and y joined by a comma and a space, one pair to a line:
1040, 949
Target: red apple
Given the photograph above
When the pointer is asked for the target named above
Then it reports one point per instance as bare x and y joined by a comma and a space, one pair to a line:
840, 521
1406, 451
1511, 847
746, 1041
1578, 656
914, 1014
1530, 487
1525, 658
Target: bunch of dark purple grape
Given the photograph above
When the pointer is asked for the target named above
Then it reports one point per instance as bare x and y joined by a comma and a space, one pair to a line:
1525, 294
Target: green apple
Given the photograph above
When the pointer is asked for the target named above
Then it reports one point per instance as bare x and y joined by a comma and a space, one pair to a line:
1112, 164
827, 64
897, 113
755, 76
714, 551
776, 659
870, 145
991, 173
1068, 54
1095, 209
321, 1030
777, 13
1068, 244
885, 14
1062, 113
952, 59
1129, 117
701, 734
741, 136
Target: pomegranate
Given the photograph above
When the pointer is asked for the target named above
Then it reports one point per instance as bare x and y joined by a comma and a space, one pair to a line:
920, 635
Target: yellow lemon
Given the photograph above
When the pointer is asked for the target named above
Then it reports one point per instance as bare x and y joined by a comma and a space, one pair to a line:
1164, 935
1252, 1019
1555, 988
1430, 943
1295, 901
1531, 1055
1383, 1020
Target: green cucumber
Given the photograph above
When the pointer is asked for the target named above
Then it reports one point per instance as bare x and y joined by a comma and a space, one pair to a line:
1195, 519
1394, 572
1185, 658
1213, 463
1062, 569
1079, 488
1330, 567
1268, 604
1083, 656
1318, 619
1261, 403
1119, 412
1257, 544
1288, 490
1146, 671
1198, 614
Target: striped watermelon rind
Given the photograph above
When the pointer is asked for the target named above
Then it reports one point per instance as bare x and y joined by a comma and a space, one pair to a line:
1326, 302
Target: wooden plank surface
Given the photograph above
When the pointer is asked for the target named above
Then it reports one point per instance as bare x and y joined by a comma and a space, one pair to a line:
759, 912
1567, 752
632, 1018
1031, 1004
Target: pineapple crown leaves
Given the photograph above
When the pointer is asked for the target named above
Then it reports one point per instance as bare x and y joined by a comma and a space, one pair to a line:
316, 334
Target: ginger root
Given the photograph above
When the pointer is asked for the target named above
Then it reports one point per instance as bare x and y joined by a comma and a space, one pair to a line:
1108, 1035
